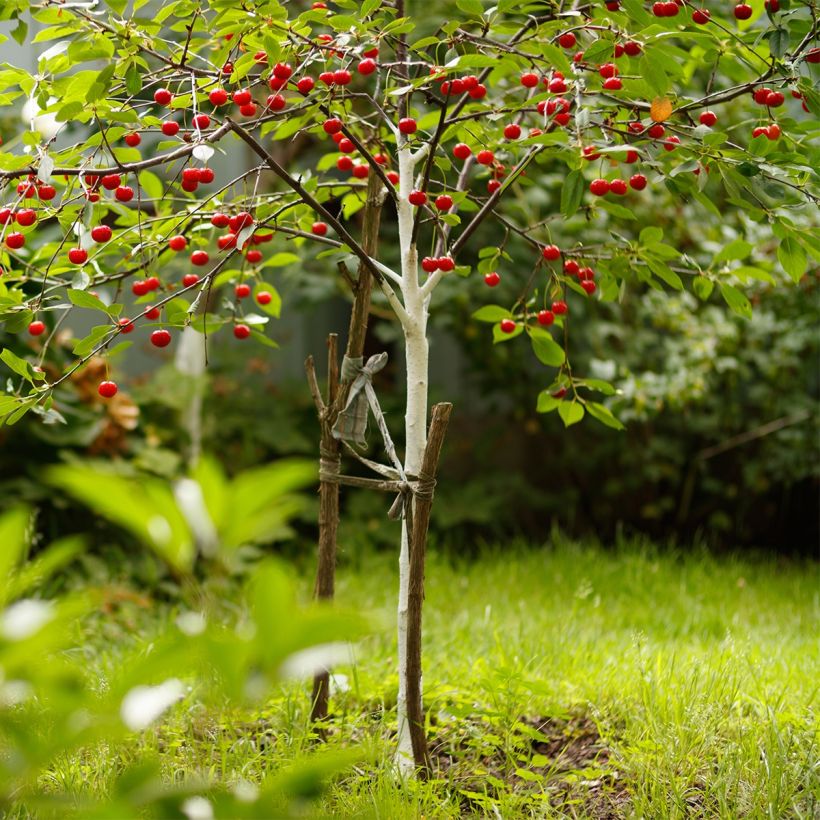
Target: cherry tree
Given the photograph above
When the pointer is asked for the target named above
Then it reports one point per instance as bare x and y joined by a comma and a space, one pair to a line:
416, 144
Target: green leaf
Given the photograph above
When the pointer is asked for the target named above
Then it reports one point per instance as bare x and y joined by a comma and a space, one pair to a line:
778, 42
653, 73
84, 299
736, 300
792, 257
546, 402
84, 346
736, 249
664, 273
548, 351
604, 415
491, 313
473, 8
703, 287
572, 192
20, 366
279, 260
571, 412
274, 307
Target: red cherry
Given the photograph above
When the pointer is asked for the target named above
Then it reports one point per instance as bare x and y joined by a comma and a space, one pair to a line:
26, 217
111, 181
107, 389
319, 228
632, 48
162, 96
243, 290
701, 16
444, 202
101, 233
218, 96
557, 85
613, 84
78, 256
529, 80
507, 326
344, 163
361, 171
445, 263
133, 139
371, 52
743, 11
393, 177
305, 85
241, 331
161, 338
671, 9
637, 182
551, 252
545, 317
6, 216
46, 192
813, 56
242, 97
366, 66
571, 267
462, 151
239, 221
656, 131
170, 128
190, 174
407, 125
15, 241
775, 99
276, 102
559, 308
199, 258
760, 95
429, 264
282, 71
206, 175
125, 193
567, 40
588, 286
617, 187
346, 146
140, 287
512, 131
177, 243
189, 279
36, 328
417, 198
342, 77
671, 143
773, 132
492, 279
479, 92
492, 186
631, 156
327, 77
253, 256
485, 157
608, 70
152, 313
760, 131
619, 50
201, 121
219, 220
152, 283
708, 118
332, 126
599, 187
248, 110
263, 297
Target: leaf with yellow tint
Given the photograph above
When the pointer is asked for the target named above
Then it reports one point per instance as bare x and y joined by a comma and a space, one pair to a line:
661, 109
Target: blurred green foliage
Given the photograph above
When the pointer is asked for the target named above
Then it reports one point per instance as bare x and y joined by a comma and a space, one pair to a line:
51, 707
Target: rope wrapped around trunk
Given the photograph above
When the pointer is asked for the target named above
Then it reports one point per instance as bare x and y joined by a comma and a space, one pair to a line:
351, 426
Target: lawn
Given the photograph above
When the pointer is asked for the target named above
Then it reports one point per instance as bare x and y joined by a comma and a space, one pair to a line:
562, 680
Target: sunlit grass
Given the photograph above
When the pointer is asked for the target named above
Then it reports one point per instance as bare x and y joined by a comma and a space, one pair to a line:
674, 685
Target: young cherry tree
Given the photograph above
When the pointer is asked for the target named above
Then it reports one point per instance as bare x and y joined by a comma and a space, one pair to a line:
569, 130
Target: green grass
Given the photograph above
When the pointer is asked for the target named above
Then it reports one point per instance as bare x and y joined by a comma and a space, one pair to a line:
563, 681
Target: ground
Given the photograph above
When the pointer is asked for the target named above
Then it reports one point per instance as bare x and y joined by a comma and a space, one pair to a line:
561, 680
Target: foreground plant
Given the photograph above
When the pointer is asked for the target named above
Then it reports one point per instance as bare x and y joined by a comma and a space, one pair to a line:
540, 143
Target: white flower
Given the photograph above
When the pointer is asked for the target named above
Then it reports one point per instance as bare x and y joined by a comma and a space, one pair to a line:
24, 618
144, 704
197, 808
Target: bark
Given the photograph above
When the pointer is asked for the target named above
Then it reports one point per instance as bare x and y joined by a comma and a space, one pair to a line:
328, 411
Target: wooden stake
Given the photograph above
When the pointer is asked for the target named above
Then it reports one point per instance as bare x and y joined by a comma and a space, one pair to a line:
418, 547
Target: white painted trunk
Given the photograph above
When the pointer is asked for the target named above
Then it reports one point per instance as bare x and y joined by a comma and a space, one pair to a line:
415, 421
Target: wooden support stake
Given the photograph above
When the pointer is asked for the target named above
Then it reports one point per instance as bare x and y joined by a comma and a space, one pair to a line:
422, 505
